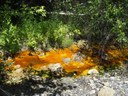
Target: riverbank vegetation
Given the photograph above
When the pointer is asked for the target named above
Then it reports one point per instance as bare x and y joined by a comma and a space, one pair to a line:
67, 36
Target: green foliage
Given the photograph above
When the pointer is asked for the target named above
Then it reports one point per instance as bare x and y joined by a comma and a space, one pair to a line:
45, 33
9, 40
27, 27
105, 18
16, 26
67, 42
57, 32
100, 21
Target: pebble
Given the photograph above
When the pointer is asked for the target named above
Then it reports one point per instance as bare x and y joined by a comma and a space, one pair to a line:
40, 86
100, 85
37, 95
95, 79
92, 92
112, 78
126, 82
106, 84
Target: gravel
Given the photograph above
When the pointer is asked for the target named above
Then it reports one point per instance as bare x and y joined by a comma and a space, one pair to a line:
112, 84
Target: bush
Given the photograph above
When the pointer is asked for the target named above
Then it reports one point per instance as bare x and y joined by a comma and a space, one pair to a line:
102, 22
26, 26
9, 39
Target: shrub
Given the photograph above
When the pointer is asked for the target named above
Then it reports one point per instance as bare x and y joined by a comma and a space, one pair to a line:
9, 40
26, 26
102, 22
11, 35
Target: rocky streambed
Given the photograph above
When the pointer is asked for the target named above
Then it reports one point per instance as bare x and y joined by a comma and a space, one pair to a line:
109, 84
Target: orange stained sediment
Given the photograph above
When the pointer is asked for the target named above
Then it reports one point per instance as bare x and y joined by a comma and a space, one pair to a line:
1, 60
37, 61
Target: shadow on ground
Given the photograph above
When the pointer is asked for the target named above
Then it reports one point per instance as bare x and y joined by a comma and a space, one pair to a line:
48, 87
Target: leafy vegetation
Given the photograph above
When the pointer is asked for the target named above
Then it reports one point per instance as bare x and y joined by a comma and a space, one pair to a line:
101, 21
33, 40
27, 31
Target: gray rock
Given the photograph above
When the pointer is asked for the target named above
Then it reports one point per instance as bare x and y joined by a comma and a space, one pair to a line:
92, 92
106, 84
126, 82
54, 67
93, 72
36, 95
106, 91
66, 60
77, 57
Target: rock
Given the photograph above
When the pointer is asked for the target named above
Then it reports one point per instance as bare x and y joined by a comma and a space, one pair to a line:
91, 81
78, 57
112, 78
95, 79
67, 79
97, 89
18, 71
44, 68
126, 82
24, 48
92, 84
36, 78
92, 92
93, 72
83, 44
16, 66
66, 60
54, 67
40, 86
106, 84
16, 76
106, 91
36, 95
